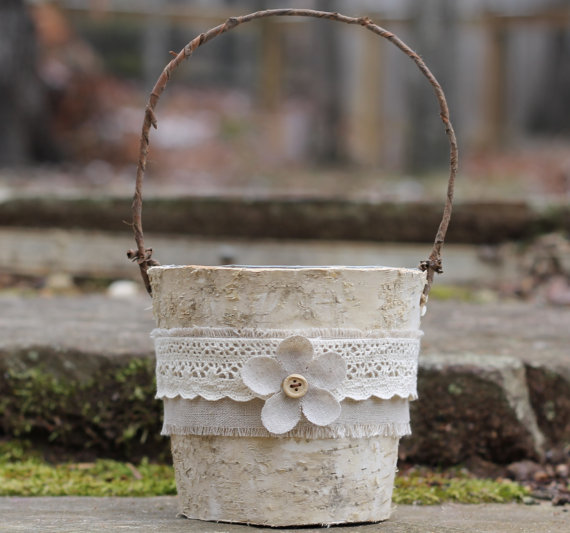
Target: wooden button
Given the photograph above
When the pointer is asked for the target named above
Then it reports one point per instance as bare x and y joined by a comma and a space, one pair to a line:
295, 386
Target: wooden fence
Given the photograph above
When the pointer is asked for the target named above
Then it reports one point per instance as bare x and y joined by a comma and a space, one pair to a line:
370, 132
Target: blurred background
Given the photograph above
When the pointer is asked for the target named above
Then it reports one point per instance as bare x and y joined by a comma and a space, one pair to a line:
292, 108
278, 103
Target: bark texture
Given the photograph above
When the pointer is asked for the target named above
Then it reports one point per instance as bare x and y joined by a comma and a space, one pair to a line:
285, 482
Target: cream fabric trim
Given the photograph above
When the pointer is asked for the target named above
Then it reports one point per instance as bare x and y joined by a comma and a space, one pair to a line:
207, 362
226, 417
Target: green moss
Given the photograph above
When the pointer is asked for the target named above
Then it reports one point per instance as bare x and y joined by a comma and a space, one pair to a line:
435, 488
24, 473
452, 292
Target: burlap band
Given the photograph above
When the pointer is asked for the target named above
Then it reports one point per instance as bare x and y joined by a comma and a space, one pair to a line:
227, 417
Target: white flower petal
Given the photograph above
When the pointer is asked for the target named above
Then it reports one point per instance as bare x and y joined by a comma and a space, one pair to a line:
295, 354
320, 406
263, 375
327, 371
280, 413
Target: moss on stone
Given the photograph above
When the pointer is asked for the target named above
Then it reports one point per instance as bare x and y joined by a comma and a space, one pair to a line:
460, 416
550, 398
113, 413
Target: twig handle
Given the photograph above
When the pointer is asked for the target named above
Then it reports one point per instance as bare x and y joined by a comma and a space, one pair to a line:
143, 255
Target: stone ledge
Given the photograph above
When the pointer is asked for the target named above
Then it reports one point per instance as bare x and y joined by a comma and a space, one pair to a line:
499, 407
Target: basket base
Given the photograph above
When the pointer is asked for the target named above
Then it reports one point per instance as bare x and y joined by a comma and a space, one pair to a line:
284, 481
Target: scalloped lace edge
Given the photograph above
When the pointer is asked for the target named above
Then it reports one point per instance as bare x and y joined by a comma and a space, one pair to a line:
243, 398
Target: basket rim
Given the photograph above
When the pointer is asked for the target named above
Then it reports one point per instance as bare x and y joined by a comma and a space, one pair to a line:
286, 268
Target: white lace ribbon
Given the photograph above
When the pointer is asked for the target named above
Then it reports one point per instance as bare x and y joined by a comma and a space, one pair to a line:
226, 417
207, 362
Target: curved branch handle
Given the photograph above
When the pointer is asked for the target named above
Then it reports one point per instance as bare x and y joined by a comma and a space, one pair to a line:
142, 255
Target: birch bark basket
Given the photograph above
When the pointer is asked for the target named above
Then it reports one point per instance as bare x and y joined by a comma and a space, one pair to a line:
277, 480
286, 389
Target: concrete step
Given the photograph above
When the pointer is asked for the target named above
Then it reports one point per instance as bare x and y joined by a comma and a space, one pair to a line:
72, 514
494, 379
97, 254
289, 218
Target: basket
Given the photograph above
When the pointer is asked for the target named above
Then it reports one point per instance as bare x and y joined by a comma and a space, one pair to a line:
286, 389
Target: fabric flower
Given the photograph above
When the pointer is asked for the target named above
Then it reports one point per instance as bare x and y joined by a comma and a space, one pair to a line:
296, 382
